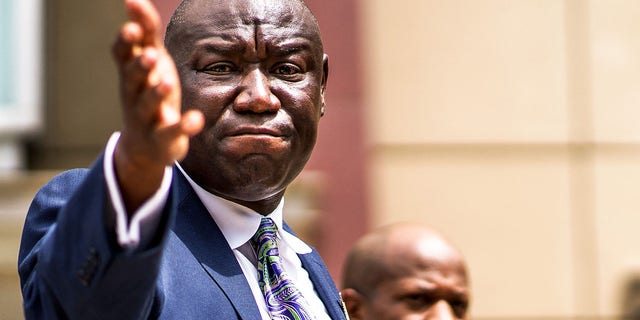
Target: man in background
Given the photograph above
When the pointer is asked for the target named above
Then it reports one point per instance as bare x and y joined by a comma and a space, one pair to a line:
405, 271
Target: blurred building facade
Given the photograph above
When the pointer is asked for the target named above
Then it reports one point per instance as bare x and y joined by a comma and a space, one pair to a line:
510, 125
513, 127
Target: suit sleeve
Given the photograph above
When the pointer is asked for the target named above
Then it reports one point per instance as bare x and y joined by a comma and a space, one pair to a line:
137, 232
70, 264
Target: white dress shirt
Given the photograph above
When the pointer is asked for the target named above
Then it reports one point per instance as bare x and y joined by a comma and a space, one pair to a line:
237, 223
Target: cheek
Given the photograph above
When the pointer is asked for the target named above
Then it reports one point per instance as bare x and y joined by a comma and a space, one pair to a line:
305, 93
307, 130
302, 106
203, 97
198, 92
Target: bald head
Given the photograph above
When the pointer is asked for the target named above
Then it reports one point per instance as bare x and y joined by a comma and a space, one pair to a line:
191, 15
404, 260
392, 251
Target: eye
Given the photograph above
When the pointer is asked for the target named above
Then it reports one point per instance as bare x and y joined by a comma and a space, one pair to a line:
288, 71
219, 68
459, 307
413, 297
417, 301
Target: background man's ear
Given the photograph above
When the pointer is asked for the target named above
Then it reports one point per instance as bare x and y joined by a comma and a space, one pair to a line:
355, 303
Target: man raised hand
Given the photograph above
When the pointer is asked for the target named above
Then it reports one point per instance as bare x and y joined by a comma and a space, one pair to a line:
155, 134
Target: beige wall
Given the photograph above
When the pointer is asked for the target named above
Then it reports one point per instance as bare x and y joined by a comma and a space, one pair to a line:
512, 126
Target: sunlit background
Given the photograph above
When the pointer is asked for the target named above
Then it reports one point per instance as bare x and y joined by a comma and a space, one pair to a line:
510, 125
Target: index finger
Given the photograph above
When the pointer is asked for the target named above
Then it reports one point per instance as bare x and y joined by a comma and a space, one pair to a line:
144, 13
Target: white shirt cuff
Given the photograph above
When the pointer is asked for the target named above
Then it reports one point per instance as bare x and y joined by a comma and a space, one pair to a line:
145, 221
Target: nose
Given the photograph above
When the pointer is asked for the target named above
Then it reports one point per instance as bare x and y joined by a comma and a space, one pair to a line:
441, 310
255, 94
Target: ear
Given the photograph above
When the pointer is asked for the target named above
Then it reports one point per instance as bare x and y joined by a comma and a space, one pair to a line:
325, 72
354, 303
325, 76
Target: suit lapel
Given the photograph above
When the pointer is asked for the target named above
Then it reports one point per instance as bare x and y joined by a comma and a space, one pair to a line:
195, 227
322, 281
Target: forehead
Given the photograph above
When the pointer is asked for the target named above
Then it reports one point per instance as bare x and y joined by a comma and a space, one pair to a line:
428, 273
424, 256
431, 270
260, 18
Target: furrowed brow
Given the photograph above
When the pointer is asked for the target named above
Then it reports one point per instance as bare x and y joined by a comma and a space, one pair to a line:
218, 45
292, 46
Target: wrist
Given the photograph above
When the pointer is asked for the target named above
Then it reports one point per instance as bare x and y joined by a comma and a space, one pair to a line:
137, 177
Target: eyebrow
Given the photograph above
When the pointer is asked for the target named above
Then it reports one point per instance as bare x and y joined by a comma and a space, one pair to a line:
218, 44
432, 288
229, 45
291, 46
291, 50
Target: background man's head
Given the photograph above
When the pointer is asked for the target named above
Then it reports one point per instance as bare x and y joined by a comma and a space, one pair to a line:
405, 271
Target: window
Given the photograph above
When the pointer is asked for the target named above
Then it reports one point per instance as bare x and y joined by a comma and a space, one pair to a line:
20, 75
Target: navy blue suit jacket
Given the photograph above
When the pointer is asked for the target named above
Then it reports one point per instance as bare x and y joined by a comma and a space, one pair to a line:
71, 266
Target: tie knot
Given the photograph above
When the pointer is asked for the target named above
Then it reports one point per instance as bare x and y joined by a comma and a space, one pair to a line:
266, 233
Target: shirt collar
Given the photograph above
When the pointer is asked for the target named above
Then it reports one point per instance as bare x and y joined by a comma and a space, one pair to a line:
239, 223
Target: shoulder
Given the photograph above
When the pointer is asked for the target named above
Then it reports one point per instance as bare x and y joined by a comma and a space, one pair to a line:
44, 208
58, 189
54, 195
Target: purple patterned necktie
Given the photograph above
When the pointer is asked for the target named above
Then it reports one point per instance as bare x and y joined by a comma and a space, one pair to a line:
284, 300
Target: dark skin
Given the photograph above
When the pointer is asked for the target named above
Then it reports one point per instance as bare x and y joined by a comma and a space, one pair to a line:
411, 273
249, 77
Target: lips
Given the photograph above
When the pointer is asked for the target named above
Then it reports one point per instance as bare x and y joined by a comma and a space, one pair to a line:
252, 130
244, 142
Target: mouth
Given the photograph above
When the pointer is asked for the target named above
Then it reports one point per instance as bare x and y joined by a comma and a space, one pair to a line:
255, 131
250, 140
